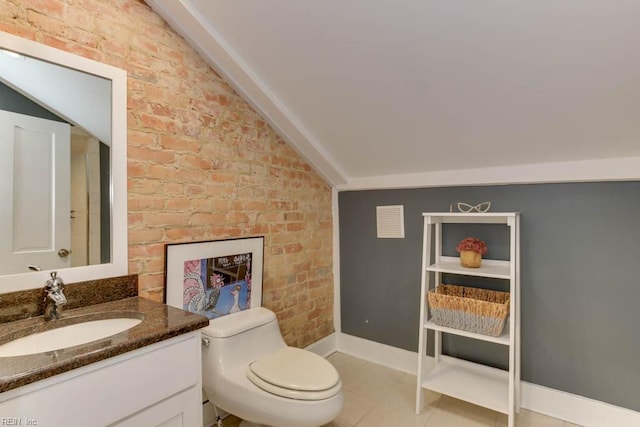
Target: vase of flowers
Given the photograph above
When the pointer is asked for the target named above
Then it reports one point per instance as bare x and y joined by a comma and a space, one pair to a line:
471, 250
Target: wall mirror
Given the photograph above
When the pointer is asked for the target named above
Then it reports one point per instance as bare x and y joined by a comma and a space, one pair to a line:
62, 166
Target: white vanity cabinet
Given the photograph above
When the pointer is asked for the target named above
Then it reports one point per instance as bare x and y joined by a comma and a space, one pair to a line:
476, 383
156, 385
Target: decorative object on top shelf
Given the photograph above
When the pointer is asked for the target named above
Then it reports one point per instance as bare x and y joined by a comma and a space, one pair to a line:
467, 208
481, 311
471, 250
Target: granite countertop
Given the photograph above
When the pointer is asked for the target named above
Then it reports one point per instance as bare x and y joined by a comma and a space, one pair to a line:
159, 322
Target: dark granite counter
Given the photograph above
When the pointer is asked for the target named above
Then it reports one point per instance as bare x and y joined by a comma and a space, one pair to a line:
159, 322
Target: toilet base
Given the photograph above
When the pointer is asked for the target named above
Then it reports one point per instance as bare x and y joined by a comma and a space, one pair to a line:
250, 424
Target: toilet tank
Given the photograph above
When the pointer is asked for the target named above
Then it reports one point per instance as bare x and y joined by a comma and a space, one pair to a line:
242, 337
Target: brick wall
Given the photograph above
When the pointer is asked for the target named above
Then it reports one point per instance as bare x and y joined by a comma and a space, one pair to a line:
202, 164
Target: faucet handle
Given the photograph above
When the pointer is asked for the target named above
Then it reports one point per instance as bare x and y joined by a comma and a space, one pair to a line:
54, 284
53, 289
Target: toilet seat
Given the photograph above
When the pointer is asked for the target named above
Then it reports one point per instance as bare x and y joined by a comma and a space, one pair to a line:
295, 374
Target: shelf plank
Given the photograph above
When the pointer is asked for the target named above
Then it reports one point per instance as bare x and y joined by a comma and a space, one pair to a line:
465, 218
471, 382
502, 339
490, 268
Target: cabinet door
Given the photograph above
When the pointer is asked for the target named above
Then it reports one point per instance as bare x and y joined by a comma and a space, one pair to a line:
176, 411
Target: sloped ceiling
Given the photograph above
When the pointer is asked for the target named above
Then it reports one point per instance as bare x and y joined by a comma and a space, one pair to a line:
388, 94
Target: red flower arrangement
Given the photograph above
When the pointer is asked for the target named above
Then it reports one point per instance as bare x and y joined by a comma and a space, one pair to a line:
472, 244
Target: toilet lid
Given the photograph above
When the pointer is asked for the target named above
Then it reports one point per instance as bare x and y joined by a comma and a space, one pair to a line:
295, 373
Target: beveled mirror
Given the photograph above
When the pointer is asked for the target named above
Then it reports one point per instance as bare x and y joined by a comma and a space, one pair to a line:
62, 166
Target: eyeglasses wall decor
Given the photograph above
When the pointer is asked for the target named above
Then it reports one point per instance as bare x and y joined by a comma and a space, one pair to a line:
467, 208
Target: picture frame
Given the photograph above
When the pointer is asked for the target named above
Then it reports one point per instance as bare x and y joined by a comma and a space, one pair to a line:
214, 278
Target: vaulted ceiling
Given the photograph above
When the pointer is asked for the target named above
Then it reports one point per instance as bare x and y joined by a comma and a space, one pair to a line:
407, 93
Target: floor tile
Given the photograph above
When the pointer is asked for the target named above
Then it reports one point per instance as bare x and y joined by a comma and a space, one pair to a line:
231, 421
402, 396
456, 413
384, 416
337, 423
355, 408
374, 381
528, 418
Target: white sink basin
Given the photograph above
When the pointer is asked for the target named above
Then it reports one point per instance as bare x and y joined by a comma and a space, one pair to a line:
66, 336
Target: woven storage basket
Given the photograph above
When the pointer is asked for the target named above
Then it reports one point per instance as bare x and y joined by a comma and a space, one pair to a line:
471, 309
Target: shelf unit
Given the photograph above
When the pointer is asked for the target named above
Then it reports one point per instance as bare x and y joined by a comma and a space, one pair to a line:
496, 389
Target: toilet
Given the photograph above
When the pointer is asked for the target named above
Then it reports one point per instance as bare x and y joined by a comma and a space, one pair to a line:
249, 371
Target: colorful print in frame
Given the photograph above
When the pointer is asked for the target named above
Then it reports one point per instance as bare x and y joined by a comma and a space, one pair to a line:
214, 278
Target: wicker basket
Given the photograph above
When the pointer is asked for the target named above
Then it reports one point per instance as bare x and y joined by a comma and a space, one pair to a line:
471, 309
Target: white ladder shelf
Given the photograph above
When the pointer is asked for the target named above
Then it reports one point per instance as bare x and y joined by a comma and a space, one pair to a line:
496, 389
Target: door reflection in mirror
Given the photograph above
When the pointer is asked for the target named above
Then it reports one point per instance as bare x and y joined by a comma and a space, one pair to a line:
54, 181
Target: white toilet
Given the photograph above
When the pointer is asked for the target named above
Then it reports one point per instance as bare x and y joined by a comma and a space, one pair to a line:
249, 371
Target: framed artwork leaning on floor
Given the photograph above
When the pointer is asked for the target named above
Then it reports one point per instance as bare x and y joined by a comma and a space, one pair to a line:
214, 278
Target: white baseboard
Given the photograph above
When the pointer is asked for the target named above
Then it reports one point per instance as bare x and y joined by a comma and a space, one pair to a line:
555, 403
324, 347
382, 354
576, 409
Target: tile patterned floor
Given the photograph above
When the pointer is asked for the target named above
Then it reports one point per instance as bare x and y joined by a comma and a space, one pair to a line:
376, 396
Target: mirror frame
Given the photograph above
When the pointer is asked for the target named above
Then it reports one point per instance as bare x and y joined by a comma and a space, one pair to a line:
118, 175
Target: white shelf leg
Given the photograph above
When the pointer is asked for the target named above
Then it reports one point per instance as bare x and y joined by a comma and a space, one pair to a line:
516, 233
514, 325
422, 338
419, 390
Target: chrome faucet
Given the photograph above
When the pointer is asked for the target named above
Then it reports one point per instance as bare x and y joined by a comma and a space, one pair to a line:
54, 298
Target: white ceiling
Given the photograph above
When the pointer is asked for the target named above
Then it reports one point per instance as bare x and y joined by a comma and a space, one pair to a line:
400, 93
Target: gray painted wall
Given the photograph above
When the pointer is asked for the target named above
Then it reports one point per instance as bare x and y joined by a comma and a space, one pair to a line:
10, 100
580, 254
